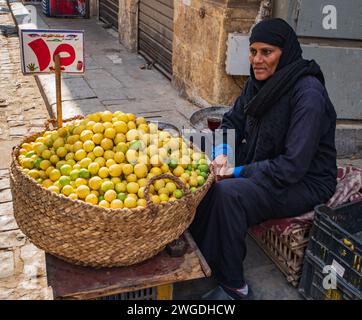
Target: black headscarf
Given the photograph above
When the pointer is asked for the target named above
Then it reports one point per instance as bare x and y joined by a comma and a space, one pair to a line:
262, 95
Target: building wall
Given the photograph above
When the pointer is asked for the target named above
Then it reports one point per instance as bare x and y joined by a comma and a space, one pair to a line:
128, 17
199, 47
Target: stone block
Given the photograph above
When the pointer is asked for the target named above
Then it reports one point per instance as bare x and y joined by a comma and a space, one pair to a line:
7, 222
12, 239
5, 195
7, 266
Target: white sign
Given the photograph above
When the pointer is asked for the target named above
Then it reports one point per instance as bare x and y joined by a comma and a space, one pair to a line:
39, 47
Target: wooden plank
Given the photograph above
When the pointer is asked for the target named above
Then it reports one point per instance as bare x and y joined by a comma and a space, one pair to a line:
69, 281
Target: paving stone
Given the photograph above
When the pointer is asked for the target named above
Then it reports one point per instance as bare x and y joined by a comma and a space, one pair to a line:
18, 131
7, 267
6, 208
4, 183
15, 118
12, 239
13, 124
5, 196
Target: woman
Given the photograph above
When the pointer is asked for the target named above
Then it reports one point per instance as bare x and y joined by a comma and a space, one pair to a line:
285, 154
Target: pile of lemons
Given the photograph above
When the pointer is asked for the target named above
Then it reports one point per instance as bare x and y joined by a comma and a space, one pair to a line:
107, 158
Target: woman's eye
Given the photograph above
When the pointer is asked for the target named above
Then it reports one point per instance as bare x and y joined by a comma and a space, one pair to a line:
266, 52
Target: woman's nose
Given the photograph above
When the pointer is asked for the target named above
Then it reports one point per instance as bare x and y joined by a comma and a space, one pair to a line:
258, 58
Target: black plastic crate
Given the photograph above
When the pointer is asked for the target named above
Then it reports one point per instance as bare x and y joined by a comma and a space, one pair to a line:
336, 240
311, 283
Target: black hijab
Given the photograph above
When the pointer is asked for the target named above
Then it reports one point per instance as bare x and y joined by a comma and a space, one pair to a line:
262, 95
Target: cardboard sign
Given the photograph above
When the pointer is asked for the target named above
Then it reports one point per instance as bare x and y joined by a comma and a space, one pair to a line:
39, 47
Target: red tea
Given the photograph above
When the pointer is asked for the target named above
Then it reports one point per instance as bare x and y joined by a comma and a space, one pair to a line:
213, 123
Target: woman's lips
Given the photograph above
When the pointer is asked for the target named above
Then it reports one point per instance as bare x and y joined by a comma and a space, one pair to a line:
258, 70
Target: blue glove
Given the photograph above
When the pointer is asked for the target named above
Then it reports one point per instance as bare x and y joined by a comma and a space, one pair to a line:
222, 148
237, 171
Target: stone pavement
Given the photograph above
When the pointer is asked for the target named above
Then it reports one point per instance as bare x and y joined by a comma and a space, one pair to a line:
22, 111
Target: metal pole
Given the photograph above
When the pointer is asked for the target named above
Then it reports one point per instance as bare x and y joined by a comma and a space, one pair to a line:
58, 90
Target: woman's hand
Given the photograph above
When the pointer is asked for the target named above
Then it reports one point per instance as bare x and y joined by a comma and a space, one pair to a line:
224, 173
220, 168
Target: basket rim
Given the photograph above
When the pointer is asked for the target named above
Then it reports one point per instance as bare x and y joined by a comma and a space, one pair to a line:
107, 212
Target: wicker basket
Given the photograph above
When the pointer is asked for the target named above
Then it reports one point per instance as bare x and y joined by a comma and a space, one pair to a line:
89, 235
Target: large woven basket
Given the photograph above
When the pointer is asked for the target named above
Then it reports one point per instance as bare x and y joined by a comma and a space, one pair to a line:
85, 234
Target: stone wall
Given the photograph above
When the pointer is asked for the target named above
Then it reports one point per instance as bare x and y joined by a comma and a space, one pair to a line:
128, 17
201, 29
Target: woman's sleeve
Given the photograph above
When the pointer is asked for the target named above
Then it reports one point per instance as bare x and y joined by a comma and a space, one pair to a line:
302, 142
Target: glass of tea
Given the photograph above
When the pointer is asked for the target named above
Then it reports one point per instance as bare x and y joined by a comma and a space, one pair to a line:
213, 123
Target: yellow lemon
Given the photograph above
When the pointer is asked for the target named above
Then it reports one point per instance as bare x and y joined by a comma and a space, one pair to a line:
79, 155
156, 171
141, 192
107, 185
45, 164
91, 156
98, 128
140, 170
82, 191
46, 154
54, 189
93, 168
142, 182
108, 154
120, 137
85, 162
122, 117
120, 127
117, 204
171, 187
165, 168
107, 125
127, 169
80, 182
178, 171
77, 146
119, 157
106, 116
103, 172
131, 178
95, 183
67, 190
86, 135
132, 134
141, 203
110, 195
98, 151
132, 156
69, 156
121, 187
110, 133
130, 202
115, 180
53, 159
159, 184
110, 162
156, 199
91, 198
54, 175
115, 170
132, 187
131, 116
101, 161
122, 147
97, 138
164, 197
193, 181
163, 191
104, 204
88, 145
47, 183
73, 196
156, 160
90, 124
106, 144
59, 142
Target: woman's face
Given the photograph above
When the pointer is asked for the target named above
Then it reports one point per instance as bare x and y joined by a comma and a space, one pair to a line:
264, 59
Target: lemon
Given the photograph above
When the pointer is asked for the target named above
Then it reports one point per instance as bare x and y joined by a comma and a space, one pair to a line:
83, 191
77, 146
80, 182
130, 202
90, 124
50, 169
67, 190
107, 185
95, 183
178, 193
164, 197
103, 172
131, 125
86, 135
59, 142
54, 159
110, 195
108, 154
34, 174
115, 170
97, 138
69, 156
121, 196
115, 180
132, 134
119, 157
91, 156
60, 163
101, 161
200, 180
171, 187
110, 133
45, 164
122, 147
121, 187
163, 191
132, 187
54, 175
122, 117
193, 181
117, 204
98, 151
106, 116
28, 163
131, 178
165, 168
142, 182
120, 127
140, 170
74, 174
98, 128
88, 145
40, 149
85, 162
159, 184
46, 154
79, 154
156, 171
64, 180
127, 169
93, 168
110, 162
54, 189
132, 156
107, 125
104, 204
84, 173
47, 183
156, 199
178, 171
106, 144
120, 137
141, 192
141, 203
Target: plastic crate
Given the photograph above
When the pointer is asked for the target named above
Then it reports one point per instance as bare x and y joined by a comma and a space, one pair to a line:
311, 283
143, 294
335, 240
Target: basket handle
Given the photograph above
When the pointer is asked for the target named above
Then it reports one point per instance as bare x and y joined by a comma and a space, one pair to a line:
180, 183
48, 122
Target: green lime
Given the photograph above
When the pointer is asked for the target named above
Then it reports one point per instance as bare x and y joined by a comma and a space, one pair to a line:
100, 198
84, 173
64, 180
200, 180
178, 193
203, 174
74, 175
189, 168
173, 164
193, 189
30, 154
203, 168
135, 145
65, 169
121, 196
37, 162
